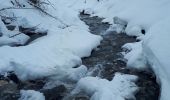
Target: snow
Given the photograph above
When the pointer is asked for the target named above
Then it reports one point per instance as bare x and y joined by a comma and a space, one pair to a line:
79, 73
31, 95
121, 87
135, 55
156, 48
7, 36
53, 55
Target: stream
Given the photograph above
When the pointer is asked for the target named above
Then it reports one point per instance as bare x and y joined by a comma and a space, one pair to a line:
104, 62
107, 59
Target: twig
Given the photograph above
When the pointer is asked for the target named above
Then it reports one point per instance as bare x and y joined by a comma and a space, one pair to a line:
7, 17
51, 4
14, 8
15, 35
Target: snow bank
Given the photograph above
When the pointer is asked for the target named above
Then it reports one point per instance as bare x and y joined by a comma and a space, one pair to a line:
120, 88
156, 48
31, 95
54, 54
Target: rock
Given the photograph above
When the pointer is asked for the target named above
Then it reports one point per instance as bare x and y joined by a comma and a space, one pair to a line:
82, 98
56, 93
2, 83
13, 77
8, 91
10, 27
119, 21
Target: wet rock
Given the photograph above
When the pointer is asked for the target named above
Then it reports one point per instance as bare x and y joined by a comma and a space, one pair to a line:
82, 97
31, 85
8, 91
10, 27
2, 83
13, 77
55, 93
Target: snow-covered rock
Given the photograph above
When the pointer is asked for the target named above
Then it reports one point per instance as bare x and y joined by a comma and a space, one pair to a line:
31, 95
135, 57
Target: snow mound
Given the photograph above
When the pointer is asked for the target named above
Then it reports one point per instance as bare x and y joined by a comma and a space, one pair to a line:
122, 86
135, 57
31, 95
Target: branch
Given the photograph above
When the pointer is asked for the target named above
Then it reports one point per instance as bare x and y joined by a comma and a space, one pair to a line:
15, 35
14, 8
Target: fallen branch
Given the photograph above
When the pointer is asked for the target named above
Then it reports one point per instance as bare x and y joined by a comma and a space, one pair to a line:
13, 8
15, 35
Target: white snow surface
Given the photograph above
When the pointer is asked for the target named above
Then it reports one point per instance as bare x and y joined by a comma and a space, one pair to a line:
135, 55
31, 95
120, 87
157, 51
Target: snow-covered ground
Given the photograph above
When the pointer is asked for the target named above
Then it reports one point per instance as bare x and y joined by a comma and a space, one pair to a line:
68, 39
54, 54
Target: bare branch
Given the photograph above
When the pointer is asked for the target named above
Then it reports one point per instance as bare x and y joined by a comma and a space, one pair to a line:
40, 9
13, 8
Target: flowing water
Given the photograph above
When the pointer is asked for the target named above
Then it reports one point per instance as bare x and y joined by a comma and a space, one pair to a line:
107, 59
